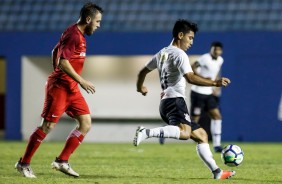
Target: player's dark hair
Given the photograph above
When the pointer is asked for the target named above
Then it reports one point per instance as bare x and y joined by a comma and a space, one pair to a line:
217, 44
183, 26
89, 9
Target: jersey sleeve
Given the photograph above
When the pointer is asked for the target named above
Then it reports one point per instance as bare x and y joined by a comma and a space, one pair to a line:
68, 46
184, 64
151, 65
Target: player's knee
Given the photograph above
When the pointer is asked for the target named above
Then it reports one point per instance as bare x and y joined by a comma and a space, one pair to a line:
84, 124
47, 127
87, 126
216, 115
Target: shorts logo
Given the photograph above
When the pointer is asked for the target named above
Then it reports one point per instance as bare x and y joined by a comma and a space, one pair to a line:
197, 111
187, 117
82, 54
53, 116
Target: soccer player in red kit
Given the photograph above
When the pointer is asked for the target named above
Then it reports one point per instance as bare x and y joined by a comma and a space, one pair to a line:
63, 94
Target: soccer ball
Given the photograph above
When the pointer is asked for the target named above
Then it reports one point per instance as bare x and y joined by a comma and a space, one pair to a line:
232, 155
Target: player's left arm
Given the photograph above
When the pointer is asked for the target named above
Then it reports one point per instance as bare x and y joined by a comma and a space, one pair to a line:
200, 81
187, 72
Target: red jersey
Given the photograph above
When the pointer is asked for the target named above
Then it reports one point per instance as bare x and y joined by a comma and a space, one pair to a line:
71, 46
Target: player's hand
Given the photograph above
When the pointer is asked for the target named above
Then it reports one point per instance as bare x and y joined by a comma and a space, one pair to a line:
87, 86
143, 90
222, 82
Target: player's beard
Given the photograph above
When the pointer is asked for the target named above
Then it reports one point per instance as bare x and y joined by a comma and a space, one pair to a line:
88, 30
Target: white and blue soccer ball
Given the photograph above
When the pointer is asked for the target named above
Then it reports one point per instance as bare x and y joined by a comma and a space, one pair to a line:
232, 155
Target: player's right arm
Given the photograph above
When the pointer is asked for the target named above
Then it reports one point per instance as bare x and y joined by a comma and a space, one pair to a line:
66, 67
140, 81
151, 65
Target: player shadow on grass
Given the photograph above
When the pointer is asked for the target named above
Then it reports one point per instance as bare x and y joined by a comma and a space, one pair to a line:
244, 180
99, 176
172, 179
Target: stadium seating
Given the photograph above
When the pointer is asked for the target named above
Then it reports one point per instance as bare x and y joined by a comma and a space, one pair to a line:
144, 15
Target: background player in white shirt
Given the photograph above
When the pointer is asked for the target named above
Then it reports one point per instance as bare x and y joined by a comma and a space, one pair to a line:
202, 98
174, 70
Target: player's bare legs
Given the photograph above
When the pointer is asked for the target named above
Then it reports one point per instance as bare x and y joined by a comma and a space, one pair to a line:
200, 136
61, 163
185, 131
216, 124
46, 126
23, 165
74, 139
196, 118
84, 122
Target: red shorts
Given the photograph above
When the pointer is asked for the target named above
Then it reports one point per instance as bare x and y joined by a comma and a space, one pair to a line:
59, 100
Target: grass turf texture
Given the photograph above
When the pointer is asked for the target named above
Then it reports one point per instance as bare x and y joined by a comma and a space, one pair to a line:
148, 163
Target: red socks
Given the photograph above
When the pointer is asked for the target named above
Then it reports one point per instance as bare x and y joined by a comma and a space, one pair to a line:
34, 142
75, 138
73, 141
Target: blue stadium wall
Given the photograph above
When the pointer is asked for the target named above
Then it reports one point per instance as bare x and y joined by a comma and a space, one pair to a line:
252, 62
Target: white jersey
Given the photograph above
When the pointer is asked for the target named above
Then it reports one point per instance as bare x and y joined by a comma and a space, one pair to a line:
172, 63
209, 68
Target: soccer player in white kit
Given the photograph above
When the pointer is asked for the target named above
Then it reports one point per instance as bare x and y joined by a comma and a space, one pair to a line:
202, 98
174, 70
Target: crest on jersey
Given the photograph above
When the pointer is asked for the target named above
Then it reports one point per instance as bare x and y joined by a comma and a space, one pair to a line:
164, 56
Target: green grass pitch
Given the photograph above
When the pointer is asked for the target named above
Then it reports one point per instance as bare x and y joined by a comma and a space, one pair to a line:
149, 163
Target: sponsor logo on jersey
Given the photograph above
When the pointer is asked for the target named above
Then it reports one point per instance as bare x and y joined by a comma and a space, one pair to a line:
83, 54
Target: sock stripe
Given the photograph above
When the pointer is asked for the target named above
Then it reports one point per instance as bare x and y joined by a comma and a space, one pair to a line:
73, 141
75, 133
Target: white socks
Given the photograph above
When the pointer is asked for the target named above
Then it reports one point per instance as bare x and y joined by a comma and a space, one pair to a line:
206, 156
216, 132
165, 132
